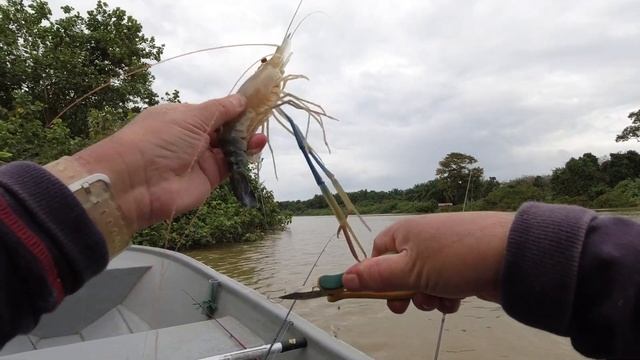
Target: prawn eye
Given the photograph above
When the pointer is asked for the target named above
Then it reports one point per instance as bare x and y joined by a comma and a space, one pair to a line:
263, 60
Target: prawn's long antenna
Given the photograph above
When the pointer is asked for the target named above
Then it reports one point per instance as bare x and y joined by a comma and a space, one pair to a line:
305, 18
146, 67
209, 49
286, 33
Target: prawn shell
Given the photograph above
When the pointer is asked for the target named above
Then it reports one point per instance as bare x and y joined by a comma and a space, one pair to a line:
261, 99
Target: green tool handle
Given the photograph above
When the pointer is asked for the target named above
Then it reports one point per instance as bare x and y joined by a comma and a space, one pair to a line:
330, 282
333, 284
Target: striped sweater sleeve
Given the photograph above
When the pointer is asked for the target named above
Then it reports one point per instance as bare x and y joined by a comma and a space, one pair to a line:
574, 273
48, 246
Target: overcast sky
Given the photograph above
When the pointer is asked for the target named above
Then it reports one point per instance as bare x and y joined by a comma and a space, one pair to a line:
520, 85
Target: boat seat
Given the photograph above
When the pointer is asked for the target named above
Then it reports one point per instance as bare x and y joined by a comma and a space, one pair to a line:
78, 319
188, 341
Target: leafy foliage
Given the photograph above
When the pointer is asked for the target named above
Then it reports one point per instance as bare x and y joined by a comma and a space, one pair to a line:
621, 166
624, 194
455, 173
57, 61
580, 177
414, 200
511, 195
632, 131
425, 192
220, 220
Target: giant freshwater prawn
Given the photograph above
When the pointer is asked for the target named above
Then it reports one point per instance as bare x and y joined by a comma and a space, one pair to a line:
266, 94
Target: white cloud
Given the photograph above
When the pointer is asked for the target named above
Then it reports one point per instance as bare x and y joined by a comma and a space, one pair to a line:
522, 86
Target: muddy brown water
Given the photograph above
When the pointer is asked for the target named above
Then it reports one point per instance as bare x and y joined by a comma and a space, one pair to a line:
480, 330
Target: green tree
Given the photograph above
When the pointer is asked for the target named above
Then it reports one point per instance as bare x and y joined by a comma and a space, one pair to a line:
428, 191
487, 186
455, 172
625, 194
171, 97
221, 219
632, 131
579, 177
541, 182
46, 64
621, 166
511, 195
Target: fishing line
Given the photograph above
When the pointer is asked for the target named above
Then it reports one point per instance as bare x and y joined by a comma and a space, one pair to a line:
144, 67
195, 302
435, 356
437, 352
285, 323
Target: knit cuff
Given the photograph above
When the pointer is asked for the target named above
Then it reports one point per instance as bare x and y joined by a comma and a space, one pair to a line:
60, 216
541, 264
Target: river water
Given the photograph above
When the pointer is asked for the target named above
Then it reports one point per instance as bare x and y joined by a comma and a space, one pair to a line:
279, 264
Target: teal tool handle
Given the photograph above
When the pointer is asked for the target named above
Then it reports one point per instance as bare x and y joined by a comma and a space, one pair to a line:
330, 282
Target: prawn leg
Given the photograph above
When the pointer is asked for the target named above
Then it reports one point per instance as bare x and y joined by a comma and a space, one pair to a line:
316, 115
306, 102
273, 156
288, 78
344, 226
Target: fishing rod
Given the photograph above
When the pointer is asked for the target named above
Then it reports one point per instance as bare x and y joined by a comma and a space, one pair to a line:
259, 351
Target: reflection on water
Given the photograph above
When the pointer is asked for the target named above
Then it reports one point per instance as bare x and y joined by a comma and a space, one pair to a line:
480, 330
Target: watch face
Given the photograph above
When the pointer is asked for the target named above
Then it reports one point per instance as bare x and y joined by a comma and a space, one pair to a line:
91, 194
95, 196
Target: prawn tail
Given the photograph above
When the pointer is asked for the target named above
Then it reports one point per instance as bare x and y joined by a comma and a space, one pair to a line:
239, 177
241, 187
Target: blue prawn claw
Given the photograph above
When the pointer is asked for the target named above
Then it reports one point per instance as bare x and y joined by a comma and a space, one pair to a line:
310, 156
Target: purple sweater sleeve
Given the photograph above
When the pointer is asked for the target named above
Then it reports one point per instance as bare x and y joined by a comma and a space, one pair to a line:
577, 274
48, 246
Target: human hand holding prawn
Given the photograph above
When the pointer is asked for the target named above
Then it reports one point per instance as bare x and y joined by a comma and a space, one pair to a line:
167, 160
443, 257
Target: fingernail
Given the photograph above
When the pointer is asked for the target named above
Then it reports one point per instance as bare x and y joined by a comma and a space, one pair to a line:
350, 281
237, 100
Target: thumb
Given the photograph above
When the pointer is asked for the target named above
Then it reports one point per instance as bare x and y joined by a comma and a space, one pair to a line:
382, 273
216, 112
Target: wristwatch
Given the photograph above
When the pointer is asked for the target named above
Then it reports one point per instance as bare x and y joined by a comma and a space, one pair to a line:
93, 191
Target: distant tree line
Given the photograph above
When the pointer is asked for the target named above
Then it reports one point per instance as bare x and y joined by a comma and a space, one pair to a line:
608, 182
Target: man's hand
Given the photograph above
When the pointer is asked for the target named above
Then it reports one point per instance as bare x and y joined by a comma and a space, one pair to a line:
443, 257
167, 160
